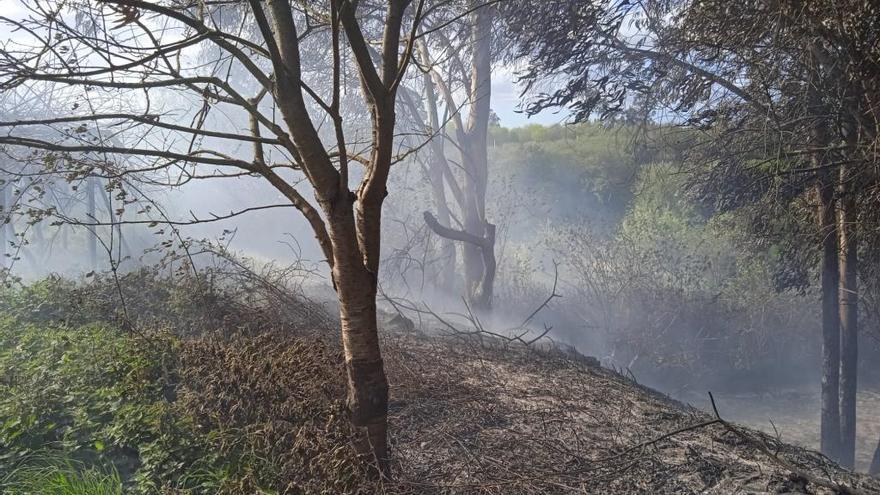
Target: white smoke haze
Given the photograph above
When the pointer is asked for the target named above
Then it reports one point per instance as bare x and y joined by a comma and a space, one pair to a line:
599, 251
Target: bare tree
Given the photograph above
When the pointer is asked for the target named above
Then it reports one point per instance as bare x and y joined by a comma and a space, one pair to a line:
134, 64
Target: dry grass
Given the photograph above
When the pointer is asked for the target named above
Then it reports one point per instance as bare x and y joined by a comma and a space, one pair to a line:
471, 419
281, 399
794, 414
465, 417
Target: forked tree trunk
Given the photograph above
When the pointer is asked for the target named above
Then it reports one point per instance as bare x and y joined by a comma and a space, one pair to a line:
479, 260
849, 310
356, 237
477, 235
352, 237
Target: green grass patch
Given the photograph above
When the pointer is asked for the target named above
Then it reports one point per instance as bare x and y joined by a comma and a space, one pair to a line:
88, 408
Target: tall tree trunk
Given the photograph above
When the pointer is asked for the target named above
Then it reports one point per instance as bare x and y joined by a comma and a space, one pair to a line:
848, 217
355, 280
830, 420
91, 185
849, 311
830, 275
479, 260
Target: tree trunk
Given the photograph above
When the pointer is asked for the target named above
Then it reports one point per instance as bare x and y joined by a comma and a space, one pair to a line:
849, 311
91, 185
472, 256
874, 470
830, 420
830, 275
479, 264
367, 385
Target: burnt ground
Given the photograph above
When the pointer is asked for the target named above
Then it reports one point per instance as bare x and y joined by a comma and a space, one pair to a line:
793, 414
468, 417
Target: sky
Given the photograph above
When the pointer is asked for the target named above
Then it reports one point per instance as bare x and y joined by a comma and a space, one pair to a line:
506, 101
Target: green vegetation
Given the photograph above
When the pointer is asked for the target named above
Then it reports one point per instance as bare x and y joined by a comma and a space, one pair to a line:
62, 478
88, 408
656, 279
571, 173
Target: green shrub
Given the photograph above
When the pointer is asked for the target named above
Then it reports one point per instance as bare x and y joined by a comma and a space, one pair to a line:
88, 408
94, 397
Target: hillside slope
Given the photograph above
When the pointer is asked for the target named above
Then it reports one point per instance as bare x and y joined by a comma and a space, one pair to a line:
471, 418
230, 396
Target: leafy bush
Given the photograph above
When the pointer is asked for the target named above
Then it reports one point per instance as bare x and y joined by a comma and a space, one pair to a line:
86, 406
681, 294
93, 396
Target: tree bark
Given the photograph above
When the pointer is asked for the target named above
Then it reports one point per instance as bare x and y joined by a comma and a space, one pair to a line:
90, 213
830, 278
874, 470
849, 309
367, 384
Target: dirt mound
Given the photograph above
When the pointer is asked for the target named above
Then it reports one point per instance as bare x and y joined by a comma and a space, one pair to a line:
471, 419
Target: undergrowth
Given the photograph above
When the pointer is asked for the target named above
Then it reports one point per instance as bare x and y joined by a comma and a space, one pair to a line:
92, 403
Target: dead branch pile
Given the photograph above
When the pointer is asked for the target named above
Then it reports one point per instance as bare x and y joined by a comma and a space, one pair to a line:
476, 419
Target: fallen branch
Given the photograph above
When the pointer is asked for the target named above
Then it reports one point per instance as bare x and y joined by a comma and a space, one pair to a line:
761, 446
660, 439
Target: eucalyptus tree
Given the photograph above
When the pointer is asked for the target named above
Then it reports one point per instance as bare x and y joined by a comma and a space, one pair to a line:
221, 90
779, 99
455, 55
